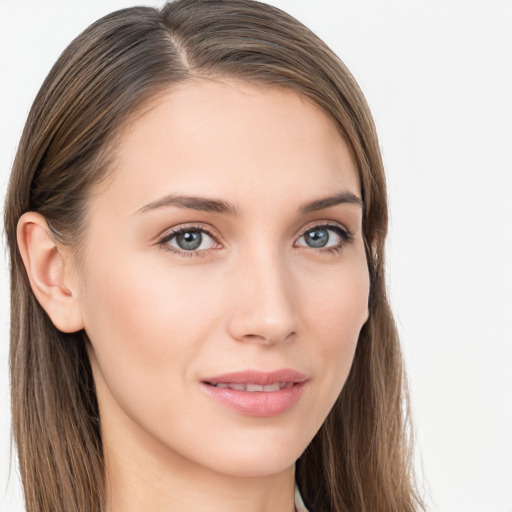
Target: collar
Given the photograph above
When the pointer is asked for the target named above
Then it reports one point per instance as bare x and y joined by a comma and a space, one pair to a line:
299, 504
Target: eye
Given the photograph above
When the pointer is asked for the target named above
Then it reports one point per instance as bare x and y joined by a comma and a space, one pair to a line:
191, 240
324, 237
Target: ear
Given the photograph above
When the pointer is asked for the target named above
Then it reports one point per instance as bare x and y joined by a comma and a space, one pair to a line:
50, 272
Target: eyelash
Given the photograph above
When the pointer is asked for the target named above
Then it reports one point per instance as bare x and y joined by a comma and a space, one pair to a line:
164, 241
342, 232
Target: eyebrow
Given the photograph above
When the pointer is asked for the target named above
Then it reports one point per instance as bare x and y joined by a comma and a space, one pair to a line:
206, 204
191, 202
344, 197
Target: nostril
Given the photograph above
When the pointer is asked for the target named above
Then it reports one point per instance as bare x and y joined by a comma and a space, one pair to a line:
269, 338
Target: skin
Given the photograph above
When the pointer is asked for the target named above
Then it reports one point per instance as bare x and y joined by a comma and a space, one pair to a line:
253, 296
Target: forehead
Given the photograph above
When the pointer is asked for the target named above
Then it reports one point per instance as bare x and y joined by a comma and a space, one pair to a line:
217, 137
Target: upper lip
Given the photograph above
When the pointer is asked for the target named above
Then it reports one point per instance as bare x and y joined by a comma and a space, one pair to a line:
262, 378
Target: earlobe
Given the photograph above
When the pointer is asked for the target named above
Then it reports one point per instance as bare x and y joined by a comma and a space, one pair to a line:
48, 267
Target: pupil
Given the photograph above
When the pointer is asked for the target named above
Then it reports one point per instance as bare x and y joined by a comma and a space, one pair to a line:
317, 237
189, 240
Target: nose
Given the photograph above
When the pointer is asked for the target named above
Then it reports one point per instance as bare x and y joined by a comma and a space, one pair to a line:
263, 301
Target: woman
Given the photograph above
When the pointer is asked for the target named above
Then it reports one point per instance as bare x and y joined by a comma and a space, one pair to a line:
196, 218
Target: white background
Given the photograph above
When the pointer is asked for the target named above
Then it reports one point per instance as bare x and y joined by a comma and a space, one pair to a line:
438, 77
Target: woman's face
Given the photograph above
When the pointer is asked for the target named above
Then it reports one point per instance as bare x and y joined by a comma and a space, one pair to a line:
224, 281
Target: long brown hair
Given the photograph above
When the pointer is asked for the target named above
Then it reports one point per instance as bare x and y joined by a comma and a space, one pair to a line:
360, 460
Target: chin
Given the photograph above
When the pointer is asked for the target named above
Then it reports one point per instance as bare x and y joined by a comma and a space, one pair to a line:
257, 465
254, 455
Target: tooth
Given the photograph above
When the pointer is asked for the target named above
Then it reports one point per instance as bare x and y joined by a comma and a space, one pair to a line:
237, 387
254, 387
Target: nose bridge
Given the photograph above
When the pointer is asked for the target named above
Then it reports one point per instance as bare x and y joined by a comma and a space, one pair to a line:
263, 303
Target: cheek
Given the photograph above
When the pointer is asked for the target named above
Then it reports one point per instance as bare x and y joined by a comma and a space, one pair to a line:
336, 315
142, 325
339, 308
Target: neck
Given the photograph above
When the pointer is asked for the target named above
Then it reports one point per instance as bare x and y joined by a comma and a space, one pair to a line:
133, 485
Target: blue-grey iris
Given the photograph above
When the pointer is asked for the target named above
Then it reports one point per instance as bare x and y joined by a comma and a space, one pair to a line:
316, 237
189, 240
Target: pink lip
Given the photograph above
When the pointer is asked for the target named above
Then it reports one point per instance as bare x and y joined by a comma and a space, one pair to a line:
263, 404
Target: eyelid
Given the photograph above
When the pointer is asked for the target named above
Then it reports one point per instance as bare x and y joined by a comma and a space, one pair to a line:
341, 231
169, 234
325, 224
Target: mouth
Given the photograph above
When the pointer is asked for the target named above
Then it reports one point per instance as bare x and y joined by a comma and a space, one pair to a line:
252, 388
257, 393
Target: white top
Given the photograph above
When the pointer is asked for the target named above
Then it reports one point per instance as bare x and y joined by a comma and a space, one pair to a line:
299, 504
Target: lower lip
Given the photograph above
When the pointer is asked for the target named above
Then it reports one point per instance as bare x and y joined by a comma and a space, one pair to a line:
261, 404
